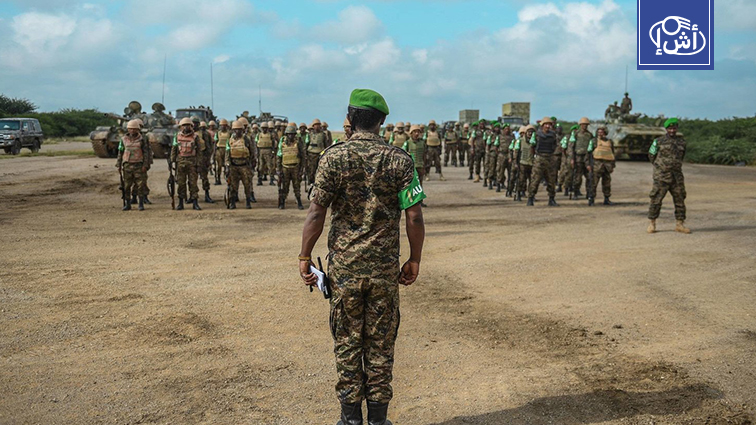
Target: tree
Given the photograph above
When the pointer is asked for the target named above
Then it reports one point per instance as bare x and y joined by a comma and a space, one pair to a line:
11, 106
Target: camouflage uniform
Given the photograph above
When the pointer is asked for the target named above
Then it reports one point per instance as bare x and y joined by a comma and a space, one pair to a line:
478, 144
451, 142
522, 147
240, 161
315, 143
221, 141
290, 164
364, 260
565, 170
203, 164
492, 155
603, 166
417, 152
187, 151
544, 145
502, 161
667, 154
464, 147
267, 164
580, 139
432, 141
397, 139
133, 154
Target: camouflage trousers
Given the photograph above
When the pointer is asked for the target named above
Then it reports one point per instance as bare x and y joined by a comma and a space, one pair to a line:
544, 167
526, 172
602, 170
364, 324
565, 171
267, 164
202, 171
477, 159
580, 172
450, 151
671, 181
312, 166
243, 174
293, 177
501, 167
464, 153
134, 179
420, 173
186, 175
491, 157
220, 162
434, 159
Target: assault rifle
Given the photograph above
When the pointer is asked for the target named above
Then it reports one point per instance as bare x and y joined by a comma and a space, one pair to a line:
589, 190
171, 184
227, 193
122, 187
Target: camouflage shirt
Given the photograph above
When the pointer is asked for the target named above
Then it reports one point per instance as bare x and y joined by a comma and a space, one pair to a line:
667, 153
361, 181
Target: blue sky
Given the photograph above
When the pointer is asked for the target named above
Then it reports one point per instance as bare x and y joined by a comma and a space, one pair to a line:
429, 58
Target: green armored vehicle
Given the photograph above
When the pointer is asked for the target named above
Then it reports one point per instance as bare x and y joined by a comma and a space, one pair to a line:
105, 140
161, 136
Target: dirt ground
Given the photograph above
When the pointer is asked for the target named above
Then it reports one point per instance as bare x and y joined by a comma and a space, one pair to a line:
570, 315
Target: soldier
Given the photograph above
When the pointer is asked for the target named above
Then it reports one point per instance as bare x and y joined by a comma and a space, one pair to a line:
329, 136
149, 159
602, 150
240, 161
316, 143
580, 140
221, 140
347, 133
451, 143
302, 132
627, 105
367, 184
492, 154
203, 165
502, 161
667, 154
266, 164
478, 148
432, 141
186, 153
415, 146
280, 127
524, 161
543, 146
133, 163
565, 170
291, 159
464, 146
398, 136
387, 131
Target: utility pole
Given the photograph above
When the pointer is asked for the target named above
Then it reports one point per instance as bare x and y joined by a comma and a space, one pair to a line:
165, 62
212, 94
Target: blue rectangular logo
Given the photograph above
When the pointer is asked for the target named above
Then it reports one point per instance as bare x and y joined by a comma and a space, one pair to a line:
676, 34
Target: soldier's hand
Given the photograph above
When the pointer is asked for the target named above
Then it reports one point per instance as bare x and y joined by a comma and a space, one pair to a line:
144, 169
309, 278
409, 273
573, 162
589, 168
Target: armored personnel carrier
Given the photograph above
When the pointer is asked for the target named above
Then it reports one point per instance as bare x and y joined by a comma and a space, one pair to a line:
105, 140
631, 138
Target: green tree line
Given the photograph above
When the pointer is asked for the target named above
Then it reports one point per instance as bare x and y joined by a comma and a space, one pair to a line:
63, 123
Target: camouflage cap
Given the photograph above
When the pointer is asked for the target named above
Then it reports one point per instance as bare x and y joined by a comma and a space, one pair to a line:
368, 99
670, 122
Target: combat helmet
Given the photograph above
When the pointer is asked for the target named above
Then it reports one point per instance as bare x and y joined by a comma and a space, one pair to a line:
243, 121
133, 124
237, 125
224, 121
291, 129
584, 120
203, 124
185, 121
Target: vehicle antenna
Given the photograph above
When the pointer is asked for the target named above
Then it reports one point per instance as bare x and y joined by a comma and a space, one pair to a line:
625, 78
212, 94
259, 99
165, 62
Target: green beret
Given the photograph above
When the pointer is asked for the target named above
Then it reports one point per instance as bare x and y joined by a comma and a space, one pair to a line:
368, 99
553, 119
505, 125
482, 121
497, 124
476, 123
574, 127
671, 121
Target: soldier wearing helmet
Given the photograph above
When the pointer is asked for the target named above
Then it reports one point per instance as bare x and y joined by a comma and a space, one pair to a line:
265, 142
329, 136
578, 151
240, 163
416, 147
478, 137
523, 160
203, 167
432, 139
302, 134
463, 148
222, 136
601, 151
543, 146
133, 163
290, 166
502, 160
315, 143
398, 136
186, 153
451, 145
386, 132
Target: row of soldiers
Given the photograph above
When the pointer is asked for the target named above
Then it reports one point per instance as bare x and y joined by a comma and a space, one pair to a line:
278, 152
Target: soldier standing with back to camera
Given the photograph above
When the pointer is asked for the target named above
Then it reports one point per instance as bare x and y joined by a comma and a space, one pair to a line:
240, 161
185, 155
366, 184
133, 163
478, 148
492, 154
543, 145
667, 154
464, 146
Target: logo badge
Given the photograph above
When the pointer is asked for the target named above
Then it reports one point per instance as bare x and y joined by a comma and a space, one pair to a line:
676, 34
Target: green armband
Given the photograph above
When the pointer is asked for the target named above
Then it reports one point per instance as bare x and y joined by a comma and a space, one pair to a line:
412, 195
654, 148
533, 139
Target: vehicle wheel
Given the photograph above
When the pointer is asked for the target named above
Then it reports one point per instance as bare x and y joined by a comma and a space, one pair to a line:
35, 146
16, 149
7, 150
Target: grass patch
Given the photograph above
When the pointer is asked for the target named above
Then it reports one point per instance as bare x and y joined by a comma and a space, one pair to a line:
56, 140
81, 153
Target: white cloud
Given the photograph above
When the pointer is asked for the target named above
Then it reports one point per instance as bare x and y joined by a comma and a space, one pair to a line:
735, 15
221, 59
355, 25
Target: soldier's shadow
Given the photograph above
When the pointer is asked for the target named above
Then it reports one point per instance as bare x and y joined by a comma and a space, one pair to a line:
595, 407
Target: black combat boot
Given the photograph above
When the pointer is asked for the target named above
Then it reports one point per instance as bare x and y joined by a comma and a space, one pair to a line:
180, 205
217, 180
249, 203
377, 413
559, 188
259, 180
591, 202
498, 187
134, 200
518, 197
147, 200
490, 185
470, 178
232, 204
566, 191
141, 203
577, 195
195, 205
252, 198
351, 414
281, 202
265, 177
272, 181
299, 203
531, 201
607, 201
552, 202
126, 206
207, 198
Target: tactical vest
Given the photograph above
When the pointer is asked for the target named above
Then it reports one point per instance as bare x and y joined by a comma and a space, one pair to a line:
582, 139
603, 150
223, 138
417, 152
546, 143
451, 137
433, 139
186, 144
526, 157
132, 149
317, 142
238, 149
290, 155
480, 140
504, 141
399, 139
265, 140
464, 136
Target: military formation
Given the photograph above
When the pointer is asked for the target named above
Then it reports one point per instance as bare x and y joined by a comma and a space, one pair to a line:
514, 160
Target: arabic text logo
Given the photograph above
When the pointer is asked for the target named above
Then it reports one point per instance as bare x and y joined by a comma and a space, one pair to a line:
685, 36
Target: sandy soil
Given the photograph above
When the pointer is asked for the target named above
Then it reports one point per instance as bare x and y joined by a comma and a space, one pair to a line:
570, 315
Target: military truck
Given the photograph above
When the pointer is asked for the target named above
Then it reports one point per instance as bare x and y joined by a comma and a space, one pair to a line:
264, 117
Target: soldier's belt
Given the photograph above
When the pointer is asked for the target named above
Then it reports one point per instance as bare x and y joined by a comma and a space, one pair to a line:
239, 161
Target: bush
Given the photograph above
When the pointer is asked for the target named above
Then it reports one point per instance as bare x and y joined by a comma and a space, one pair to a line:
71, 122
718, 150
14, 107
